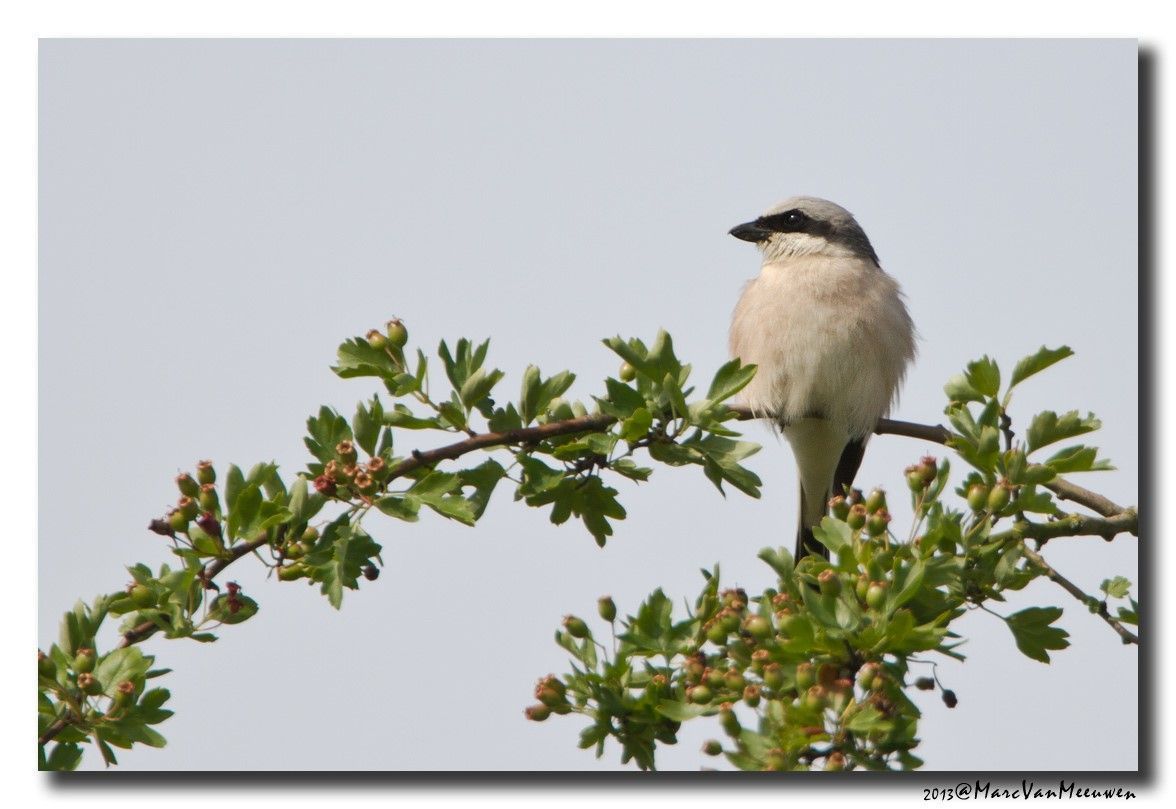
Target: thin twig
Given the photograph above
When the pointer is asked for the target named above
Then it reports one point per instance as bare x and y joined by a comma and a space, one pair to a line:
1076, 591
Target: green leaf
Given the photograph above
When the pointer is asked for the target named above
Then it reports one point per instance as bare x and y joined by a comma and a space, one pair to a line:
339, 559
729, 380
834, 535
401, 416
1048, 427
324, 431
959, 389
402, 508
1032, 631
234, 483
357, 357
637, 425
983, 376
622, 399
478, 386
64, 758
244, 509
366, 424
681, 711
780, 560
532, 386
121, 664
1117, 587
484, 478
1037, 362
1077, 458
538, 477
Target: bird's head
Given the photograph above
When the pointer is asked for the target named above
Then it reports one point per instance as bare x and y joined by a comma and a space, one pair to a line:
801, 226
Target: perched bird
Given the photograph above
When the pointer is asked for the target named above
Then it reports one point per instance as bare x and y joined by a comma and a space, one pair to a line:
832, 339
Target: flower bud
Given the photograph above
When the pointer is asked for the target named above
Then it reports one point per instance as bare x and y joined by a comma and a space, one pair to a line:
751, 695
537, 713
949, 698
371, 572
376, 467
857, 516
876, 594
550, 691
1000, 496
841, 694
867, 674
758, 626
730, 723
716, 633
930, 469
861, 587
712, 747
123, 693
376, 339
575, 626
177, 521
773, 676
142, 596
161, 527
207, 497
829, 582
205, 473
759, 659
876, 523
875, 500
914, 478
346, 452
627, 373
188, 507
775, 760
364, 483
978, 497
924, 684
699, 694
324, 485
209, 524
45, 665
292, 572
816, 698
806, 676
839, 507
89, 684
606, 608
396, 332
835, 762
187, 484
734, 680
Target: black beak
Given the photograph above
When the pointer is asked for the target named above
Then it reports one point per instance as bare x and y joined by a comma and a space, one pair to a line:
750, 232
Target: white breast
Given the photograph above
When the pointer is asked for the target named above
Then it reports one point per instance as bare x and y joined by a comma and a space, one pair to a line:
831, 337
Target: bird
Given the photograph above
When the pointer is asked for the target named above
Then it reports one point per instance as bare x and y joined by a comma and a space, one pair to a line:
832, 340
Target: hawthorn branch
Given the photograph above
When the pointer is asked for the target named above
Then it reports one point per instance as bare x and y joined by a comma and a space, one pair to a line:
1039, 561
146, 629
1073, 525
1118, 519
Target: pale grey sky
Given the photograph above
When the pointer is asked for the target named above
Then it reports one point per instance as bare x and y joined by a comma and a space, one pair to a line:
215, 216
